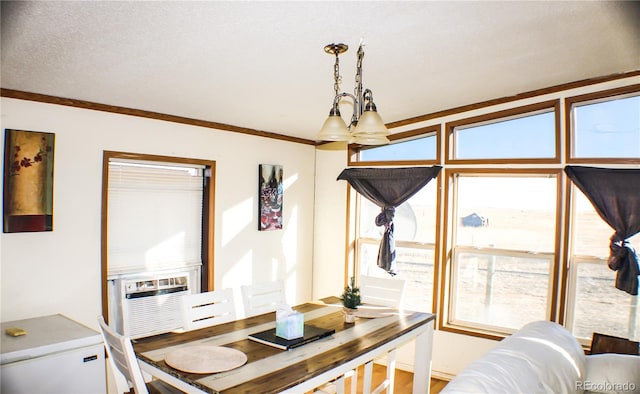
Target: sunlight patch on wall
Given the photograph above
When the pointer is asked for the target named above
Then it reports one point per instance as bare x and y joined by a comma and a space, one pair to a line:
289, 181
290, 243
236, 219
274, 269
239, 272
290, 239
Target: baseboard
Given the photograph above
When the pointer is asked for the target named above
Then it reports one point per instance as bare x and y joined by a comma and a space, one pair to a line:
434, 374
409, 368
442, 376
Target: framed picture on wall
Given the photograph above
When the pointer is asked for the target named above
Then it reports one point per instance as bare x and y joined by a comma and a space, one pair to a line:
28, 181
270, 197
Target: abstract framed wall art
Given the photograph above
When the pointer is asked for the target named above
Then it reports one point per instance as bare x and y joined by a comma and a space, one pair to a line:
28, 181
270, 195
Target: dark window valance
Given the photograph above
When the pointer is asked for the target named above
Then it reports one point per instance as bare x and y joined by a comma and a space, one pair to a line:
388, 188
615, 195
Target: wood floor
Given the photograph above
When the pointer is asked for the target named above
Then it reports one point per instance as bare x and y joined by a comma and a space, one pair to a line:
403, 383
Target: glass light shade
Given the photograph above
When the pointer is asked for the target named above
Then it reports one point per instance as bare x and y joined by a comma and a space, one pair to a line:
334, 129
370, 129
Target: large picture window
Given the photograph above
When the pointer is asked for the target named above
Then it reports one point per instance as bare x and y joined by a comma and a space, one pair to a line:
502, 248
509, 239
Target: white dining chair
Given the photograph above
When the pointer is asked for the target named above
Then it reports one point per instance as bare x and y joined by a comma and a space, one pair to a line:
382, 291
123, 361
206, 309
374, 291
389, 292
263, 297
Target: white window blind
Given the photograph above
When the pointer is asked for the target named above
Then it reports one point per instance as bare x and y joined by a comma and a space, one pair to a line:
154, 217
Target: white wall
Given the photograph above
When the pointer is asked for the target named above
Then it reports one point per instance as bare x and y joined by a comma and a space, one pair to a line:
330, 214
59, 272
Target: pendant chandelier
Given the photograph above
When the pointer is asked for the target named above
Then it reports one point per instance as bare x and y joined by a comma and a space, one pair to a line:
366, 127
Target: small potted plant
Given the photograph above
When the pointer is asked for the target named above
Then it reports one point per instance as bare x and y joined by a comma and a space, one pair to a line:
350, 300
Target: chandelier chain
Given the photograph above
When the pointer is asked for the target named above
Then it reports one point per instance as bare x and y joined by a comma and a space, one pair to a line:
357, 91
336, 75
359, 72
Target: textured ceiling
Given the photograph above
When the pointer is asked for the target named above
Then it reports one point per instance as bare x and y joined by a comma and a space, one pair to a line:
261, 65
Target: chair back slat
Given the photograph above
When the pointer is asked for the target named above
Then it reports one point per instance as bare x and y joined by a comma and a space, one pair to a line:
382, 291
262, 297
208, 309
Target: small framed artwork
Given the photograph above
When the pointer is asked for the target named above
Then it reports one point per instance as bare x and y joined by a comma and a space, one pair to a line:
28, 181
270, 197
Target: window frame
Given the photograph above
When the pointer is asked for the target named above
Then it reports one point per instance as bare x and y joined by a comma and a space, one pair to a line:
560, 298
571, 262
602, 96
447, 280
208, 215
499, 116
354, 248
423, 132
463, 325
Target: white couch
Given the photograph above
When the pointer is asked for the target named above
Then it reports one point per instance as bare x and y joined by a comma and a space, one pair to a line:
543, 357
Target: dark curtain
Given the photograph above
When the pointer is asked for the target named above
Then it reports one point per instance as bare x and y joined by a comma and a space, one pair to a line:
388, 188
615, 194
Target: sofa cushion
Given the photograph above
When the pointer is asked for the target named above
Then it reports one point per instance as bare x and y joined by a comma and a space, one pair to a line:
612, 374
542, 357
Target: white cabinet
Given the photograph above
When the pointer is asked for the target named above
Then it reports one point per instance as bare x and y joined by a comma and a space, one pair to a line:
57, 355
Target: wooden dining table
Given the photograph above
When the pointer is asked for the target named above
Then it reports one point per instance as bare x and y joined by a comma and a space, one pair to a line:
271, 370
